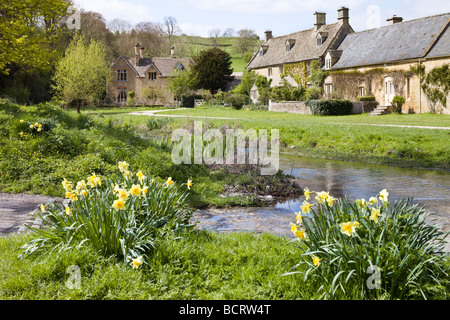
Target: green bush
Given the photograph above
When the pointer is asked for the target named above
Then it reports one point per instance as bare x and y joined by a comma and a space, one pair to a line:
189, 101
365, 98
397, 104
237, 101
120, 216
313, 93
330, 107
369, 249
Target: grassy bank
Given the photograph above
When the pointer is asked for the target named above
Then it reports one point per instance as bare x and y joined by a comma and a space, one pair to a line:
43, 144
356, 138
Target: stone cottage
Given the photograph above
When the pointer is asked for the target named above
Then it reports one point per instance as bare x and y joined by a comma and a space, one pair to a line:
383, 62
293, 52
134, 74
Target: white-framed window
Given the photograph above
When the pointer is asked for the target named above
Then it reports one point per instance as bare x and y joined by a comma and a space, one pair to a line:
328, 63
308, 68
319, 41
122, 75
122, 95
328, 89
261, 52
362, 91
152, 76
281, 69
288, 46
269, 72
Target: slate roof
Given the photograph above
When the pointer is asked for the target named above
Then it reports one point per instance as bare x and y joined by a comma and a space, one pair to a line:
400, 41
164, 65
305, 47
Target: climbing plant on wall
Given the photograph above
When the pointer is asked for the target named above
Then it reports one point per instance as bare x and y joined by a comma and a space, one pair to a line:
297, 71
435, 84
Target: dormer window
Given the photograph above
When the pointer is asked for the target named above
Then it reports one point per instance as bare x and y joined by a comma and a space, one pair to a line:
289, 44
321, 38
263, 50
328, 63
179, 66
152, 76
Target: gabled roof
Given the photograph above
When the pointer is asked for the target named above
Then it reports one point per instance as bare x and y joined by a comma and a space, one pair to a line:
305, 47
163, 65
401, 41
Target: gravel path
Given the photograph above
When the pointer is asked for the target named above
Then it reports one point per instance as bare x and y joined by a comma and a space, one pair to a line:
17, 209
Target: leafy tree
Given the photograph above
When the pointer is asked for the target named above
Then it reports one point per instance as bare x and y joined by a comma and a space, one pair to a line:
152, 94
247, 41
317, 74
182, 82
213, 69
81, 76
28, 30
247, 82
264, 89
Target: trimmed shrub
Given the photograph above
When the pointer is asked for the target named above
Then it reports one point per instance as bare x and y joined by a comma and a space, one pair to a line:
397, 104
188, 101
330, 107
365, 98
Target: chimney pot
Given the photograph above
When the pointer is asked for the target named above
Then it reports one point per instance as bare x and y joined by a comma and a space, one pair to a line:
268, 34
394, 19
172, 52
343, 16
136, 54
319, 20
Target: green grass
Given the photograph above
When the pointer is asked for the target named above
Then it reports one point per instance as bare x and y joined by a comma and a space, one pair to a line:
201, 265
359, 138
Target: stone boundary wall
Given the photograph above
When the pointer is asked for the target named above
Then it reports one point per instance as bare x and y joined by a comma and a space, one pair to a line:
300, 107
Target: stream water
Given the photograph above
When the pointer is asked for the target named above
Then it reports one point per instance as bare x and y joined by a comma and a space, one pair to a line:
430, 188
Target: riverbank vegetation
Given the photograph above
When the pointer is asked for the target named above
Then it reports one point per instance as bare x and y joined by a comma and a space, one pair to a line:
385, 139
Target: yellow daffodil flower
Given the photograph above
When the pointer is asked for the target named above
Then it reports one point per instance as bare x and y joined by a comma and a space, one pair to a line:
68, 211
21, 120
123, 166
307, 193
299, 233
373, 200
137, 262
66, 185
375, 214
81, 185
31, 126
42, 207
316, 261
330, 200
383, 196
298, 217
169, 181
135, 190
306, 207
118, 205
94, 181
127, 174
144, 190
123, 194
322, 197
189, 184
347, 228
21, 134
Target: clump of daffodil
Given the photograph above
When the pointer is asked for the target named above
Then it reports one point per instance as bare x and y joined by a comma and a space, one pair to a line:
119, 204
316, 261
135, 190
136, 263
349, 228
322, 196
375, 214
361, 203
73, 196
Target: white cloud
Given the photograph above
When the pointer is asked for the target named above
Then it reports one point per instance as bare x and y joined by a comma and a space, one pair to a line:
111, 9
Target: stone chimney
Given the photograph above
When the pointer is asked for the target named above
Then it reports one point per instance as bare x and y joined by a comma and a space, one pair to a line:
268, 35
172, 52
141, 53
136, 54
394, 19
343, 16
319, 20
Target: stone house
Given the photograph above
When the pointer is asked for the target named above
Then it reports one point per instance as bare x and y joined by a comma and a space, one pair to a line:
378, 62
278, 55
134, 74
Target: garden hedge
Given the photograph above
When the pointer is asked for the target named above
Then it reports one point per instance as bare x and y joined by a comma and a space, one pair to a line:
330, 107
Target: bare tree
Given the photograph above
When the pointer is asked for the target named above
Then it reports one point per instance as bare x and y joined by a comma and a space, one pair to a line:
171, 28
149, 35
214, 34
246, 42
229, 33
119, 26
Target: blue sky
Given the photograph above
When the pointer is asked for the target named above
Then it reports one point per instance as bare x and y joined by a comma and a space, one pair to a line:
198, 17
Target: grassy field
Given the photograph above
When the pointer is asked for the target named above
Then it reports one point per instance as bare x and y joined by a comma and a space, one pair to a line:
356, 138
198, 44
